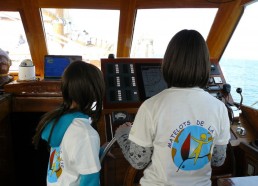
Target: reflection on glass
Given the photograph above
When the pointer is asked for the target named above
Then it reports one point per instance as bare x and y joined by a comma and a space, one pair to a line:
240, 59
90, 33
155, 27
13, 39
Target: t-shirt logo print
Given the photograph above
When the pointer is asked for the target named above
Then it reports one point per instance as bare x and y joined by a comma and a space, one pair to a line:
54, 167
191, 148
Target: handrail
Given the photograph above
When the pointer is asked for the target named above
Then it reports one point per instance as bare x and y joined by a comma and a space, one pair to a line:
107, 149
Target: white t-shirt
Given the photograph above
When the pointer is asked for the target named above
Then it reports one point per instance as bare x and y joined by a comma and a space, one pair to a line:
183, 125
78, 154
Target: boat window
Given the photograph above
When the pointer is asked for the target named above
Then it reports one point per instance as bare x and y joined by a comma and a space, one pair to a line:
13, 39
93, 34
155, 27
240, 59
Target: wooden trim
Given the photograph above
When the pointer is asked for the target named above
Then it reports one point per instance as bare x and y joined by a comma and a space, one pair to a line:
5, 107
251, 114
223, 26
115, 4
130, 176
91, 4
247, 2
126, 28
32, 22
35, 88
175, 4
9, 5
35, 104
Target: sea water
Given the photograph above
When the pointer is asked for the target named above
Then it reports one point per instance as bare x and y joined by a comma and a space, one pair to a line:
242, 74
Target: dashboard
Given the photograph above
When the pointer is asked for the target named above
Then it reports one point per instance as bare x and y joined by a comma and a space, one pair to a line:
130, 81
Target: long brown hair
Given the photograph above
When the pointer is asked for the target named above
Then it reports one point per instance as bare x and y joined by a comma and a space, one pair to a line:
82, 83
186, 61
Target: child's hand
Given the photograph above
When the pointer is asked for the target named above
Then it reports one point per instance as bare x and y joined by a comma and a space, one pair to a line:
123, 129
125, 125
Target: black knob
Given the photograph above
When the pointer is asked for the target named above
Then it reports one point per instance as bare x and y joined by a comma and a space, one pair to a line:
239, 90
227, 88
111, 56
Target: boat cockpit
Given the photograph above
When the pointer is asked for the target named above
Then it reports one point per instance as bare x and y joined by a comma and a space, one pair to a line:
126, 39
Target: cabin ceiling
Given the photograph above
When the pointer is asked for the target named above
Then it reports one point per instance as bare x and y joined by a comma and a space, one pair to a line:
228, 15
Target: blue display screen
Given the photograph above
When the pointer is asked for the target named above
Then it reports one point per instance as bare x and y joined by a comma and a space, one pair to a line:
54, 66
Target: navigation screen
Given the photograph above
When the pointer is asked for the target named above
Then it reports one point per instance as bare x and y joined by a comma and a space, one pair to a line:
152, 80
54, 65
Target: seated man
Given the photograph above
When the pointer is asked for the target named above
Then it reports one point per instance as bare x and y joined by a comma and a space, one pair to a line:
5, 64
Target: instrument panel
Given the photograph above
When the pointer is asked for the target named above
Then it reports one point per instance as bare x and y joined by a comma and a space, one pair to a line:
130, 81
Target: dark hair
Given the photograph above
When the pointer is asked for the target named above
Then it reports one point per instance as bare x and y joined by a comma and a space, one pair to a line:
82, 83
186, 61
